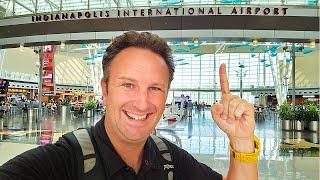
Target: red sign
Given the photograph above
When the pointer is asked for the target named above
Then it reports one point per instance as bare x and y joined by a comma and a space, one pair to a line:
48, 70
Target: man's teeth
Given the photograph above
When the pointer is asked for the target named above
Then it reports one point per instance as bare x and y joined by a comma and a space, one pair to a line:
136, 117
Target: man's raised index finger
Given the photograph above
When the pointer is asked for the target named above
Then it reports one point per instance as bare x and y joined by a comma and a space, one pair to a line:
224, 84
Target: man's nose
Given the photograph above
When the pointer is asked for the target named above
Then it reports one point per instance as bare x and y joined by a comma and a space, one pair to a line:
141, 101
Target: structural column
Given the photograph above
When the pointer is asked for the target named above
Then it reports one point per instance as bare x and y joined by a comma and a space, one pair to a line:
40, 81
293, 56
1, 60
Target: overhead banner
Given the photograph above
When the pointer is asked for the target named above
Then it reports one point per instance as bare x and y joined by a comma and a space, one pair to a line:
48, 70
160, 12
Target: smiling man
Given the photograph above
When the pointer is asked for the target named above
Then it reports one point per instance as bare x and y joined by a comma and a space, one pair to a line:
138, 69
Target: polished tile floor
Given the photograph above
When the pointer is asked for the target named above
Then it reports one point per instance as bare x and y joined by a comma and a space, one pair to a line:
198, 135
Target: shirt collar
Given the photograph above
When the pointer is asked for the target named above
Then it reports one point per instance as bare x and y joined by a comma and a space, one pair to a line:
113, 162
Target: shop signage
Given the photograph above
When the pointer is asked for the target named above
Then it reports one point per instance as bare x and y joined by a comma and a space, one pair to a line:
13, 90
160, 12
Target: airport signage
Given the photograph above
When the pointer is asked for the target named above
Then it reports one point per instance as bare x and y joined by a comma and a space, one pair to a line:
161, 12
48, 70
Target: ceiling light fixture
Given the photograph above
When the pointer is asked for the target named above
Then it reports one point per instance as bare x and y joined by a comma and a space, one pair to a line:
254, 42
195, 40
312, 43
21, 46
62, 45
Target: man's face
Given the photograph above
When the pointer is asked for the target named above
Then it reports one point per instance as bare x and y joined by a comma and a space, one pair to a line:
135, 95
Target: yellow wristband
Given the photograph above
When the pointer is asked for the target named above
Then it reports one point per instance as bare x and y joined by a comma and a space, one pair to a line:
247, 157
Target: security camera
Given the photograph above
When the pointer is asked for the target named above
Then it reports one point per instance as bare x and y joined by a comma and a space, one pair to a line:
36, 51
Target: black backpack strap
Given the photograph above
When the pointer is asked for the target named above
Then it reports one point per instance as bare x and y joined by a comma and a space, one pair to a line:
88, 153
85, 148
166, 154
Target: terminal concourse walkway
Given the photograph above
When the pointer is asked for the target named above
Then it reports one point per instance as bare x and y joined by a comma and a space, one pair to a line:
284, 155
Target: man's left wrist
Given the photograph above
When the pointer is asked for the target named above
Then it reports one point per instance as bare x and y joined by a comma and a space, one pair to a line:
245, 145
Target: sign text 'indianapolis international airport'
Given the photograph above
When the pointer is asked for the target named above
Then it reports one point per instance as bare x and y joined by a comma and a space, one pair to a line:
159, 12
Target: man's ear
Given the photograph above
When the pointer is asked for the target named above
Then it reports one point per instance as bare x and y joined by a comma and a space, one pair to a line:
104, 88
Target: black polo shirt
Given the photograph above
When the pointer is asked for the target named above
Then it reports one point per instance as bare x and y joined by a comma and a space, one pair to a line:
185, 166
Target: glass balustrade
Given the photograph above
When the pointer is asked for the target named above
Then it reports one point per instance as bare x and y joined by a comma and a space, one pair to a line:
17, 76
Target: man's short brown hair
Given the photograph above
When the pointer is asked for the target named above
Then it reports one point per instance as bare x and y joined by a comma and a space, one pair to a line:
141, 40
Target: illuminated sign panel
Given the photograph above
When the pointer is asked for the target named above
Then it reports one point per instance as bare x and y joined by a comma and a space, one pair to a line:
48, 70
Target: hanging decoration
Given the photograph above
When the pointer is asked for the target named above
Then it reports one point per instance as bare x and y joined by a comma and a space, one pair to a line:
183, 64
180, 51
263, 60
254, 48
87, 58
198, 54
177, 60
234, 1
307, 51
170, 2
193, 46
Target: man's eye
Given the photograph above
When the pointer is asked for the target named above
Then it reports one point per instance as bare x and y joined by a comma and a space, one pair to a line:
155, 89
128, 85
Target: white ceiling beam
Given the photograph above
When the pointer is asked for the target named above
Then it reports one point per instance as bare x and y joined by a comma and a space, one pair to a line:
24, 6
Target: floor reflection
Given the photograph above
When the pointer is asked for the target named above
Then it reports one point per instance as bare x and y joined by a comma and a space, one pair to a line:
284, 154
33, 130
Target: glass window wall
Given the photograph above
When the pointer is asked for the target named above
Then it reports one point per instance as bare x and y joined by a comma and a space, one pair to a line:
202, 72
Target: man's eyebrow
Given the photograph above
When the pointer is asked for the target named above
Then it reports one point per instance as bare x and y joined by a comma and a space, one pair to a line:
133, 80
158, 84
125, 78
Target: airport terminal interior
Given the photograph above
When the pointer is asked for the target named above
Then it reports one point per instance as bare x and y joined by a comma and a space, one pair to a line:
51, 65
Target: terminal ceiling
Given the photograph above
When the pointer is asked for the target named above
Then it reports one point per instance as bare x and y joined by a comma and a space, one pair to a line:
197, 47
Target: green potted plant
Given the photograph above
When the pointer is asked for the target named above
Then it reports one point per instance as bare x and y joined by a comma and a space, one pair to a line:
313, 118
299, 117
65, 105
286, 115
90, 106
65, 102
